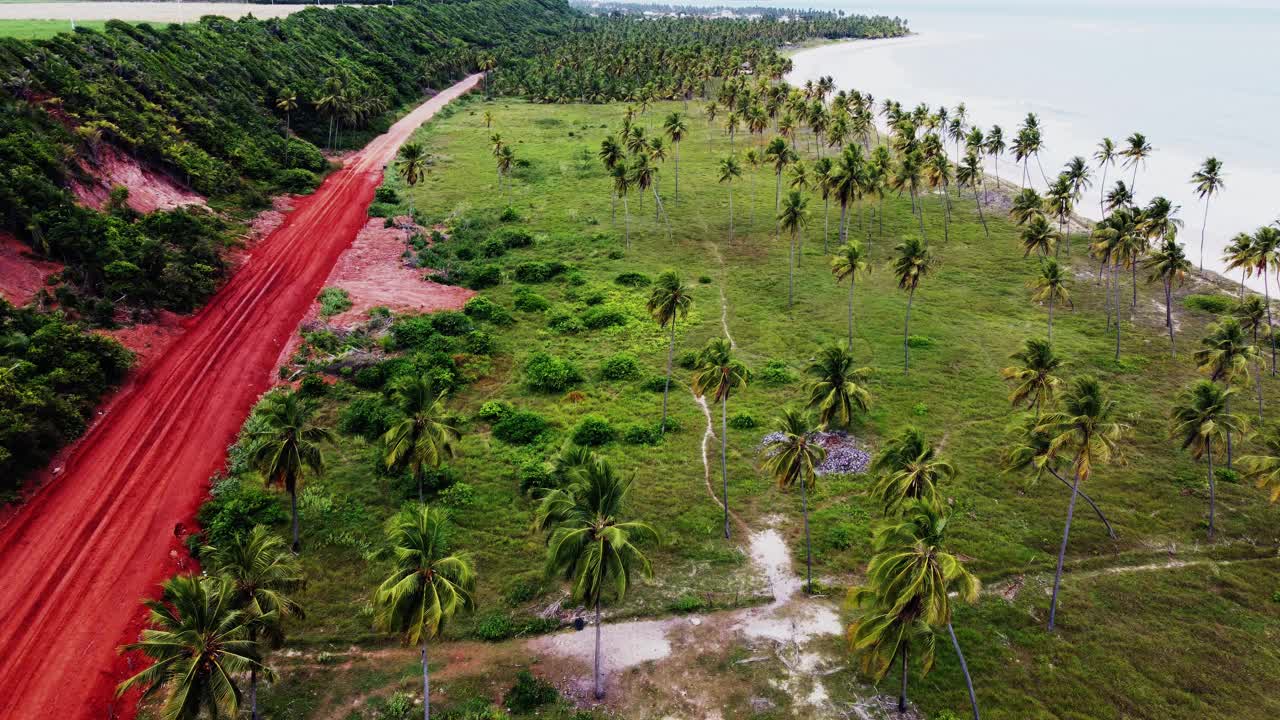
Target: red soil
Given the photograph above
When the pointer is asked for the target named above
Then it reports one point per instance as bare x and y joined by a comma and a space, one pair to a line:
21, 273
78, 556
149, 190
150, 340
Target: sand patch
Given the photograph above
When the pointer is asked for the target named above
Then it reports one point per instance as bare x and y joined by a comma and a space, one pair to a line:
22, 274
149, 189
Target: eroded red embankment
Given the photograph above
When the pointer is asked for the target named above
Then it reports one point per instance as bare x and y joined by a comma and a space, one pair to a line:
75, 560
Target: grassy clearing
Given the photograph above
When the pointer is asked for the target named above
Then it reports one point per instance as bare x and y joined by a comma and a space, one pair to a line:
1120, 633
40, 29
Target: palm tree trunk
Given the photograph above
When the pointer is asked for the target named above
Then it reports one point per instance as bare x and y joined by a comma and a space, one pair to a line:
906, 334
978, 201
1168, 315
426, 682
671, 350
293, 505
731, 211
663, 211
626, 220
1203, 225
417, 474
1051, 318
777, 206
851, 281
1102, 193
676, 194
253, 677
1266, 289
880, 219
844, 219
902, 693
286, 151
599, 679
1116, 270
1213, 495
964, 668
791, 284
1085, 496
808, 545
1227, 406
1062, 551
826, 224
1134, 267
724, 457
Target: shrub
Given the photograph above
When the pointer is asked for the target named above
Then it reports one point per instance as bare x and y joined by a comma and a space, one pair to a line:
482, 308
405, 486
615, 254
775, 373
533, 271
1216, 304
519, 427
387, 195
494, 410
313, 386
234, 508
530, 301
842, 536
687, 604
399, 706
493, 248
509, 214
704, 279
297, 180
479, 277
566, 324
481, 342
1226, 475
633, 279
522, 590
594, 297
687, 360
602, 316
412, 333
529, 693
457, 495
500, 625
334, 300
451, 323
593, 431
919, 341
547, 373
368, 417
656, 383
642, 435
535, 476
370, 378
622, 366
512, 237
742, 421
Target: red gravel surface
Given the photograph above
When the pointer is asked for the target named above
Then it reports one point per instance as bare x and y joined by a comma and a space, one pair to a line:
21, 273
149, 190
76, 558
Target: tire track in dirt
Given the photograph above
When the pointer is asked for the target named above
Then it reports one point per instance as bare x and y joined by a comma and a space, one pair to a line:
76, 559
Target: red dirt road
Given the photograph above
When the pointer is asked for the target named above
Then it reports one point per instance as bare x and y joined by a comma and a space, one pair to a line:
75, 560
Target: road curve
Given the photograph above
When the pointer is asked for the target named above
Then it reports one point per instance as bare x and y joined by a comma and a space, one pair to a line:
76, 559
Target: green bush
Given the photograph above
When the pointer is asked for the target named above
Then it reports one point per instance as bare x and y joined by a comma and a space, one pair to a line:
367, 416
742, 421
413, 333
494, 410
534, 477
509, 214
482, 308
385, 194
530, 301
642, 434
566, 324
920, 341
1216, 304
534, 271
775, 373
593, 431
687, 604
622, 366
333, 300
370, 378
480, 342
520, 427
451, 323
547, 373
493, 249
633, 279
842, 536
297, 180
512, 237
235, 507
529, 693
481, 276
313, 386
656, 383
687, 359
603, 316
500, 625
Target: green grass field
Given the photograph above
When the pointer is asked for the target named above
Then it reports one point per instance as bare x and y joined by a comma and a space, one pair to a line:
40, 29
1168, 643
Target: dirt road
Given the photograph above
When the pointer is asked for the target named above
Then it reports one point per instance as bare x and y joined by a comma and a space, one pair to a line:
76, 559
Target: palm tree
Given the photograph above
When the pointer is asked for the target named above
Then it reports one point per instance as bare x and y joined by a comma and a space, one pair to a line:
711, 111
621, 184
969, 174
612, 155
1252, 315
1227, 357
780, 156
912, 572
287, 103
849, 262
1039, 237
718, 374
1208, 182
1264, 468
1051, 287
1202, 420
261, 573
676, 129
882, 632
838, 390
488, 119
644, 176
413, 163
996, 146
1034, 379
199, 643
1266, 256
793, 457
424, 437
427, 587
753, 159
909, 470
793, 218
1084, 431
1239, 254
1106, 157
670, 299
909, 176
1027, 205
506, 161
1169, 265
1029, 450
730, 171
848, 179
590, 545
914, 261
1136, 155
823, 181
287, 447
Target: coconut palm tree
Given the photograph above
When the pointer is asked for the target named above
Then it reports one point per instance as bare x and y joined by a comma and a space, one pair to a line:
718, 374
669, 299
823, 181
612, 155
1027, 205
793, 218
1034, 379
287, 447
675, 128
848, 179
995, 147
969, 174
644, 176
1136, 155
1028, 450
589, 543
1226, 356
1169, 265
882, 633
909, 470
792, 458
778, 154
506, 161
909, 177
1252, 315
199, 644
1264, 467
1239, 254
1039, 237
1266, 257
711, 110
1051, 287
913, 572
424, 436
488, 119
1208, 182
1202, 420
413, 163
287, 103
838, 390
261, 573
753, 160
730, 171
428, 586
621, 184
1105, 156
1084, 431
913, 263
849, 262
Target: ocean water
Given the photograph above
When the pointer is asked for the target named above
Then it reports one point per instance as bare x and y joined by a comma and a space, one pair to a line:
1197, 81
